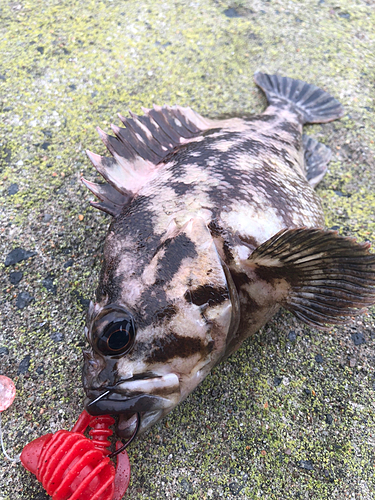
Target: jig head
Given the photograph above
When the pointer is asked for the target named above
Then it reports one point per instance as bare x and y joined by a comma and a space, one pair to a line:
71, 466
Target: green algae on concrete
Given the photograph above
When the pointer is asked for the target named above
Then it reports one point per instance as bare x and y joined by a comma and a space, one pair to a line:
272, 422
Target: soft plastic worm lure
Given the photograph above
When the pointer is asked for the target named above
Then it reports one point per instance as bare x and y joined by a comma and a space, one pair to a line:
71, 466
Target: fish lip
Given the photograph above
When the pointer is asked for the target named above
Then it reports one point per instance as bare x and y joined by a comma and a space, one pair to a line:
134, 395
136, 404
160, 385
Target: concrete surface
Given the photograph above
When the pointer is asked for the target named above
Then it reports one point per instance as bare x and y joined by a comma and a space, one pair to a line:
291, 415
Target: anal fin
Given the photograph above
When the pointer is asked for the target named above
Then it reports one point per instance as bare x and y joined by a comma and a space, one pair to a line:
317, 157
321, 277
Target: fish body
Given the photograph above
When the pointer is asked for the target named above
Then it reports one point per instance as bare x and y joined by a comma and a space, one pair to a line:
215, 226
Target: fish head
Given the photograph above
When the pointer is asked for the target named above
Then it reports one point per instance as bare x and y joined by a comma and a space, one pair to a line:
168, 324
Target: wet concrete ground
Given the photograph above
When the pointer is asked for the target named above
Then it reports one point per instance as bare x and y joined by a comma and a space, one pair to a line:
291, 415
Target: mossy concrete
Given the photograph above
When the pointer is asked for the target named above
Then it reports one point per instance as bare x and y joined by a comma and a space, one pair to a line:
272, 422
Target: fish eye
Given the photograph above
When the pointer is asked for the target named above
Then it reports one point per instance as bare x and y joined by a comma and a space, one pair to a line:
117, 337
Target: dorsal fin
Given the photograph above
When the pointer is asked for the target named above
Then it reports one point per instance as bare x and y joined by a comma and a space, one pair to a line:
111, 200
138, 151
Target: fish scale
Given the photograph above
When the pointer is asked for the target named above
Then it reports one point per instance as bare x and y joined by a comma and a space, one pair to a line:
215, 226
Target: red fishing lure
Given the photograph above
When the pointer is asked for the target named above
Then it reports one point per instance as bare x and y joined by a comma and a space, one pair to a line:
71, 466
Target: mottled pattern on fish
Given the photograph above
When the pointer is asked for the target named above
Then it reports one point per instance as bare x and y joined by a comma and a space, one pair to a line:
209, 238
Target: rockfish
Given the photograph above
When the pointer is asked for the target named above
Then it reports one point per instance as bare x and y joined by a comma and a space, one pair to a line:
215, 226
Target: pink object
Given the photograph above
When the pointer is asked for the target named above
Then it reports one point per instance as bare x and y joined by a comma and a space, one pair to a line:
7, 392
73, 467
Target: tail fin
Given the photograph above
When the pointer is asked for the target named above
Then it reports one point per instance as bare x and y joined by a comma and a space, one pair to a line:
313, 104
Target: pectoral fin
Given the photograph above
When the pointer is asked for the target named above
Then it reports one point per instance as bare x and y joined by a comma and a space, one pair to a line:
318, 275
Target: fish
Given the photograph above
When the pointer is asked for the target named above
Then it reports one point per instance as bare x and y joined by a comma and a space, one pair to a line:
215, 226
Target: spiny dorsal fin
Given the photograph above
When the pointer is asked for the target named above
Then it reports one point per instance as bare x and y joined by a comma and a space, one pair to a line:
138, 150
111, 200
319, 276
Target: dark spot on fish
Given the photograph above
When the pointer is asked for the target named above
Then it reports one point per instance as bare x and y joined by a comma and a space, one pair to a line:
136, 220
206, 155
211, 131
181, 188
239, 279
171, 155
249, 240
272, 274
286, 206
166, 313
174, 345
269, 274
272, 148
277, 137
109, 283
252, 305
215, 229
251, 146
216, 232
286, 157
294, 131
188, 154
108, 375
261, 118
227, 252
206, 294
176, 249
155, 302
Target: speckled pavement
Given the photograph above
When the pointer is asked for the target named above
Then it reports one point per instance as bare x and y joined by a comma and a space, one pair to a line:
292, 414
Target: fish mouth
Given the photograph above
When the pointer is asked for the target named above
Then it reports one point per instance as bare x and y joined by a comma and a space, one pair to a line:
149, 398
